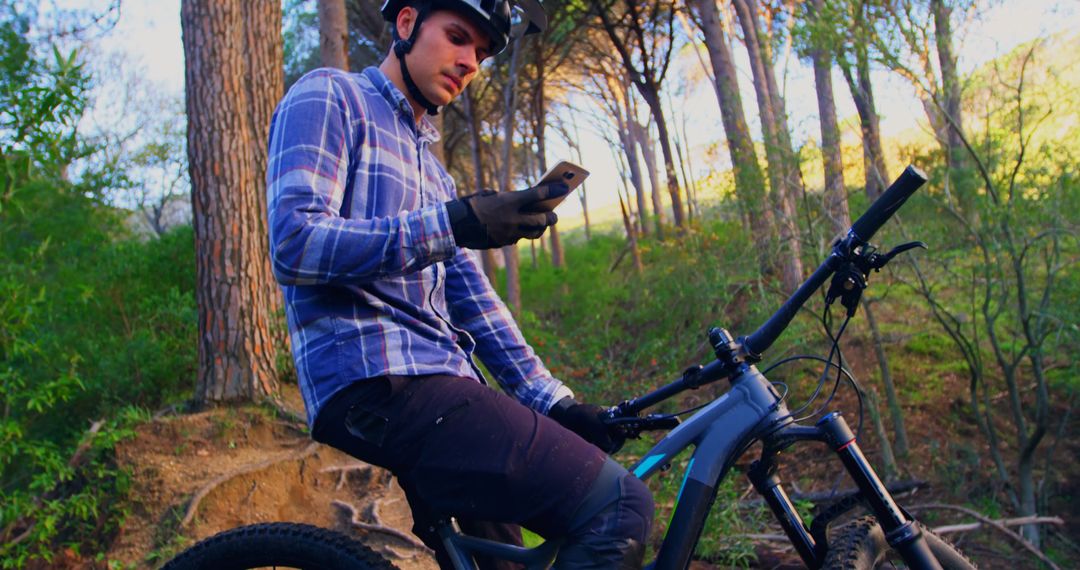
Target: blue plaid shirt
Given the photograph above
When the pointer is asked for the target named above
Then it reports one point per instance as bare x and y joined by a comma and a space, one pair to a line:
360, 242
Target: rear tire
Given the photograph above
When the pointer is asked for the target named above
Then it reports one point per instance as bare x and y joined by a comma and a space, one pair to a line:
288, 545
861, 545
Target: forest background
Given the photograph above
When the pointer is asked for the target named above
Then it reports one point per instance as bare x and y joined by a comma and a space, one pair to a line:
128, 207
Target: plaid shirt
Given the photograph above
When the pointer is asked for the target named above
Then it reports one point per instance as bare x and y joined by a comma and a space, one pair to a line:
361, 244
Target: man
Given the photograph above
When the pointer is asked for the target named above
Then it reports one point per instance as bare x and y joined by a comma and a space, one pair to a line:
386, 310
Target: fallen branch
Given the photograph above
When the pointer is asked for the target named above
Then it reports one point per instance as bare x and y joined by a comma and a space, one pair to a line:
993, 524
193, 505
896, 488
354, 519
1021, 521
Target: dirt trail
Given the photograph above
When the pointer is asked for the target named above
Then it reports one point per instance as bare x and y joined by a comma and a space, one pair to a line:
246, 466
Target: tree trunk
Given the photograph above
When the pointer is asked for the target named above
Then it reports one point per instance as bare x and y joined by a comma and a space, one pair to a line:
648, 155
264, 58
233, 59
647, 81
651, 93
899, 433
629, 143
783, 182
582, 194
487, 256
862, 94
835, 195
959, 165
888, 460
333, 34
510, 252
749, 181
540, 133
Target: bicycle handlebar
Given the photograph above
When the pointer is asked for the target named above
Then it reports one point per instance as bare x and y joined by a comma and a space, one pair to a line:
888, 203
753, 345
860, 233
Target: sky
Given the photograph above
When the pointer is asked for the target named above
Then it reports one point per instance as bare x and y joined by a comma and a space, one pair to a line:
148, 35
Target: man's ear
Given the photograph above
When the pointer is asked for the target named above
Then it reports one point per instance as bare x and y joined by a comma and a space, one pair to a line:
406, 19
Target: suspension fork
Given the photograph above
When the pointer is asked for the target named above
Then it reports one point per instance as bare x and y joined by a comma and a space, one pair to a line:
901, 532
766, 482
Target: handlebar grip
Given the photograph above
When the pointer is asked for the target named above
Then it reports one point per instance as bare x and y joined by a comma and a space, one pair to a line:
888, 203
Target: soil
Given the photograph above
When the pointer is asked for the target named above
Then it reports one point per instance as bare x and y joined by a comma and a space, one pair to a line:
248, 466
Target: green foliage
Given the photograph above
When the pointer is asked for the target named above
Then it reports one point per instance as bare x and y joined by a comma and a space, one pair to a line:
94, 326
40, 104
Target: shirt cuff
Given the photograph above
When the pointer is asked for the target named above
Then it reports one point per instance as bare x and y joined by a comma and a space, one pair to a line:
560, 393
437, 237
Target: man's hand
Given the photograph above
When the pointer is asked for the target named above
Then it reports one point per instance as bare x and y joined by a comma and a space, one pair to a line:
495, 219
586, 421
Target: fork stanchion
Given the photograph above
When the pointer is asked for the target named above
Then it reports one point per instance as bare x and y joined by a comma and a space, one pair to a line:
902, 533
767, 484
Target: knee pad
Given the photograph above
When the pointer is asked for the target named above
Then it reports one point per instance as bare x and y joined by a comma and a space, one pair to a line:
618, 505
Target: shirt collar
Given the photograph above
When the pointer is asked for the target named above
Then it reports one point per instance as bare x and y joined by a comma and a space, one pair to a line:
400, 104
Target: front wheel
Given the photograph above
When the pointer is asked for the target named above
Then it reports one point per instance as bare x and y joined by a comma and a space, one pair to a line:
861, 545
279, 545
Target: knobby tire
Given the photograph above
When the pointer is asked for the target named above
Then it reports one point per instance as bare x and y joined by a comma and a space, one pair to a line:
290, 545
861, 545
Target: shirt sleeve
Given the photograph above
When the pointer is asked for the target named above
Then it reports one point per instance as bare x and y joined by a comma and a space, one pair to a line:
311, 134
476, 308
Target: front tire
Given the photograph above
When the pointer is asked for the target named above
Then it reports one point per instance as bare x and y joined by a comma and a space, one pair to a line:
861, 545
287, 545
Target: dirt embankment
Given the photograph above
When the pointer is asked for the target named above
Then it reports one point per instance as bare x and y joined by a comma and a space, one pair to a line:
200, 474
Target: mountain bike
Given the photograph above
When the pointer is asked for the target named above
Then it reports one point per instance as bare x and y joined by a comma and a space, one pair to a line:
720, 432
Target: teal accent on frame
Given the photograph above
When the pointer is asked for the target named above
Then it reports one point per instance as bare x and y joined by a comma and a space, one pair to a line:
651, 460
685, 476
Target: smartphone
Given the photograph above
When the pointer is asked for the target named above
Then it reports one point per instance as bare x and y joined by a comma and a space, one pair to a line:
568, 173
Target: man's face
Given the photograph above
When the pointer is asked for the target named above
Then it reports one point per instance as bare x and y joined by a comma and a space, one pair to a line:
446, 55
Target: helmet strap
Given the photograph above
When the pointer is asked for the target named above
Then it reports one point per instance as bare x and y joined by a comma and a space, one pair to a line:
402, 47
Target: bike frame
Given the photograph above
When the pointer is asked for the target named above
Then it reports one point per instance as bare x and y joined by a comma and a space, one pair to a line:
751, 410
722, 430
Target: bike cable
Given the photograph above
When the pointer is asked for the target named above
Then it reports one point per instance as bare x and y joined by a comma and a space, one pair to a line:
826, 321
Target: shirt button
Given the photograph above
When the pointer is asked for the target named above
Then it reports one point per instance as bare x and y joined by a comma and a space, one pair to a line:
404, 106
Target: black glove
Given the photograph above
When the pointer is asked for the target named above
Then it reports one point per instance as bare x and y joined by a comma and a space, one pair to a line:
495, 219
586, 421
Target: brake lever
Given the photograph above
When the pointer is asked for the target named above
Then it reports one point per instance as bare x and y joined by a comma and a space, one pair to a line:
877, 261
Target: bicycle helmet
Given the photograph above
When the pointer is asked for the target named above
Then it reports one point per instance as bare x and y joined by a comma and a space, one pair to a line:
502, 20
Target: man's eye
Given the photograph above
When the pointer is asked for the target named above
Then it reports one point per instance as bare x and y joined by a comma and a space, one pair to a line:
457, 40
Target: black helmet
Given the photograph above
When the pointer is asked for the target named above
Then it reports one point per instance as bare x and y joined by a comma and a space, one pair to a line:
501, 20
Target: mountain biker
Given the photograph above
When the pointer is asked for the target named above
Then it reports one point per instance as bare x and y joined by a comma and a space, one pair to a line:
386, 309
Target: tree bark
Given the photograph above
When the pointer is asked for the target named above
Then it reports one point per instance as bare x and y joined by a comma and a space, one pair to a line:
476, 147
540, 134
651, 95
648, 156
956, 153
510, 252
749, 181
333, 34
862, 94
897, 415
629, 142
835, 194
233, 60
785, 183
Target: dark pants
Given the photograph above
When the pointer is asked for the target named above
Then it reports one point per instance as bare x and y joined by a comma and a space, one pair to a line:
462, 449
